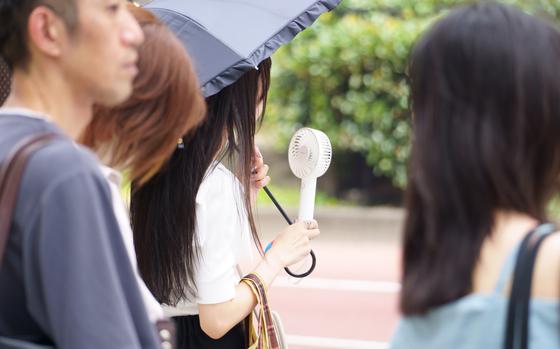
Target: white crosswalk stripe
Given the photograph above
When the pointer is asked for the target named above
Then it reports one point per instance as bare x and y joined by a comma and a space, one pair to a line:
327, 342
339, 285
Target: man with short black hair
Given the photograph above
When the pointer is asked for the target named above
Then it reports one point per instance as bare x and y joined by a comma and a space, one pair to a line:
66, 278
14, 16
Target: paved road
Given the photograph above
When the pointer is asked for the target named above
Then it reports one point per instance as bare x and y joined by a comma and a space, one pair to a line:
350, 301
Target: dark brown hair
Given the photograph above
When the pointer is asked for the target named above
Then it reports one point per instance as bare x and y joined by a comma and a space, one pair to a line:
140, 134
486, 106
163, 211
14, 16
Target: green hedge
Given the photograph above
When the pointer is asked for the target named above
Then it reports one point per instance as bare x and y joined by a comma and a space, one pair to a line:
346, 75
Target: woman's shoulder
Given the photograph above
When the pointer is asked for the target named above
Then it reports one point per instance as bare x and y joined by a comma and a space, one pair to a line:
546, 282
218, 174
218, 177
218, 185
221, 172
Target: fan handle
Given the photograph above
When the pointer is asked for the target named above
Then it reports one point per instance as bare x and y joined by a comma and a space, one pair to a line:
307, 199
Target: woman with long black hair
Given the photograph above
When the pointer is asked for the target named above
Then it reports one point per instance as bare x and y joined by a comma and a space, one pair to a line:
485, 164
193, 223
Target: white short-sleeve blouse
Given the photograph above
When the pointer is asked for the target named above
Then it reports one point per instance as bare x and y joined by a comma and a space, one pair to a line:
224, 238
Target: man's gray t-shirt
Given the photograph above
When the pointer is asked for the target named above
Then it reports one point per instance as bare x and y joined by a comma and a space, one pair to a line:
66, 278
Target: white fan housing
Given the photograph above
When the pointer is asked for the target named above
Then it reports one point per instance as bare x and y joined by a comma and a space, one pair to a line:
309, 155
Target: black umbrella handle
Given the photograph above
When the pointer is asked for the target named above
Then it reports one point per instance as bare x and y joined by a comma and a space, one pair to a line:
287, 218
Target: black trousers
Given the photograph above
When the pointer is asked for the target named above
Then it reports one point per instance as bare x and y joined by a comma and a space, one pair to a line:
191, 336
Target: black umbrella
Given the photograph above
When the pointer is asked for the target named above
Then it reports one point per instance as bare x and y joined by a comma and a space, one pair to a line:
226, 38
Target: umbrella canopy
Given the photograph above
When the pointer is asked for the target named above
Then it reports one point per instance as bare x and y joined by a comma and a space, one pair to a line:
228, 38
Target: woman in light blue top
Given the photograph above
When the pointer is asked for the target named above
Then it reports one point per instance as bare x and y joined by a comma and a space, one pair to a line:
485, 162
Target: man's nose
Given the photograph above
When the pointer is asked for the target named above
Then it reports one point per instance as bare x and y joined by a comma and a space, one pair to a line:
132, 34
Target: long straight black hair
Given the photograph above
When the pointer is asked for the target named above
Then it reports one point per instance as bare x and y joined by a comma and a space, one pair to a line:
163, 210
486, 123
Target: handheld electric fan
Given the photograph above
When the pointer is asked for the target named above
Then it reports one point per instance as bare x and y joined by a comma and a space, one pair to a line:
309, 156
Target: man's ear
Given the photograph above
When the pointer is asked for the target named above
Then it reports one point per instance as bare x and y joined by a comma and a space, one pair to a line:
46, 31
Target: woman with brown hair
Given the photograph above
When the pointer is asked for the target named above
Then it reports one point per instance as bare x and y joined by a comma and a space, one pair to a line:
139, 135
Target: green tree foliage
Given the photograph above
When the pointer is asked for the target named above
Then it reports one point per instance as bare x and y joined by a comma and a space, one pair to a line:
346, 75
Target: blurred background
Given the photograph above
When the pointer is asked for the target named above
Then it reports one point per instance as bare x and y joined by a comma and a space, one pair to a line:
346, 75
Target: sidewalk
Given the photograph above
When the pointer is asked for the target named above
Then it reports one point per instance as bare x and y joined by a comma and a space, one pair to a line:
350, 301
377, 223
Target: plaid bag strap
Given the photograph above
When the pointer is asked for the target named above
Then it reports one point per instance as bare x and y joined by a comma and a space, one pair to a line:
255, 338
266, 335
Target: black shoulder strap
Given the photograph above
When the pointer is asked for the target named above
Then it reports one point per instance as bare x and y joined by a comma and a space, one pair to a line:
517, 325
11, 172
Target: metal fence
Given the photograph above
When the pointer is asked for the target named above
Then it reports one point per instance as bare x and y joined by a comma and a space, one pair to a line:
4, 81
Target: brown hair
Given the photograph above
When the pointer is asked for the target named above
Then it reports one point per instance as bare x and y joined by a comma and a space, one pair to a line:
140, 134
